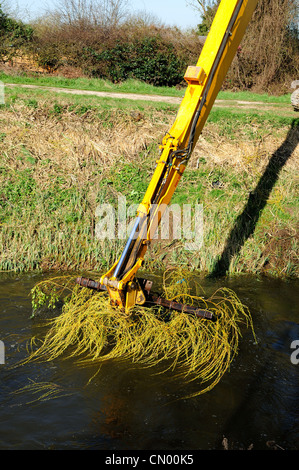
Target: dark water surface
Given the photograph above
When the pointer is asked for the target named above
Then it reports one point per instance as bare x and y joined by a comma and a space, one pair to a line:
257, 401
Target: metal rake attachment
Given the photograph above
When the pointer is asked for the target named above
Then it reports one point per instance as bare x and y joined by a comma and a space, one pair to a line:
151, 298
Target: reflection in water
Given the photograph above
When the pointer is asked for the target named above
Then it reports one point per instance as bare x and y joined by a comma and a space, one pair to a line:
125, 407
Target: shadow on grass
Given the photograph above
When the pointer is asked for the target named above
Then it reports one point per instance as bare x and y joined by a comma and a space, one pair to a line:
246, 222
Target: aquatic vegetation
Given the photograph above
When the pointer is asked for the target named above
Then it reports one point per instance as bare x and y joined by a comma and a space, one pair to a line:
91, 331
43, 391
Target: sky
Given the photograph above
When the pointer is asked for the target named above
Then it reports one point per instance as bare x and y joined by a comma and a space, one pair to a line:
169, 12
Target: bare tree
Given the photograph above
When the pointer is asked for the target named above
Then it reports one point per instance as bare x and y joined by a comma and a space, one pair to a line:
200, 5
143, 18
115, 11
90, 13
6, 6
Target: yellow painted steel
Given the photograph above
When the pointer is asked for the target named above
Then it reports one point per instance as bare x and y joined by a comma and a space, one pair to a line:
204, 82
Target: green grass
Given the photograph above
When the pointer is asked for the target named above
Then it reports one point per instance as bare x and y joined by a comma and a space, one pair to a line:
255, 124
130, 86
92, 84
249, 96
52, 178
78, 103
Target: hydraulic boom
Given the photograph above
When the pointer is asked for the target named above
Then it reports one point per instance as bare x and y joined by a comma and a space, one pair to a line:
204, 82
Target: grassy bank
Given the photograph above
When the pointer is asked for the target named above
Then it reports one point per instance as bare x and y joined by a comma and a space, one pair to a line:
129, 86
62, 156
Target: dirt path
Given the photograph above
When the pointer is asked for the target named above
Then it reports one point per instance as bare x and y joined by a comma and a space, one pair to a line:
128, 96
161, 99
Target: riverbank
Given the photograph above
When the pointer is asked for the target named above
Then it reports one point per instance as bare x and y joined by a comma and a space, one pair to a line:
64, 155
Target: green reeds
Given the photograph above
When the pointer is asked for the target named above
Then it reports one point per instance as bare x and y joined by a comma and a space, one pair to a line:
91, 331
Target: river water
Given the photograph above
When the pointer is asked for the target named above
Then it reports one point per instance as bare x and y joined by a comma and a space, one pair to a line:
125, 408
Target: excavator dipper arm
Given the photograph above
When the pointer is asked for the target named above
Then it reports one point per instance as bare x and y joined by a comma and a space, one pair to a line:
204, 82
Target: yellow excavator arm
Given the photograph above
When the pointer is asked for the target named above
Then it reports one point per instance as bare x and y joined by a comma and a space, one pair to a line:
204, 82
